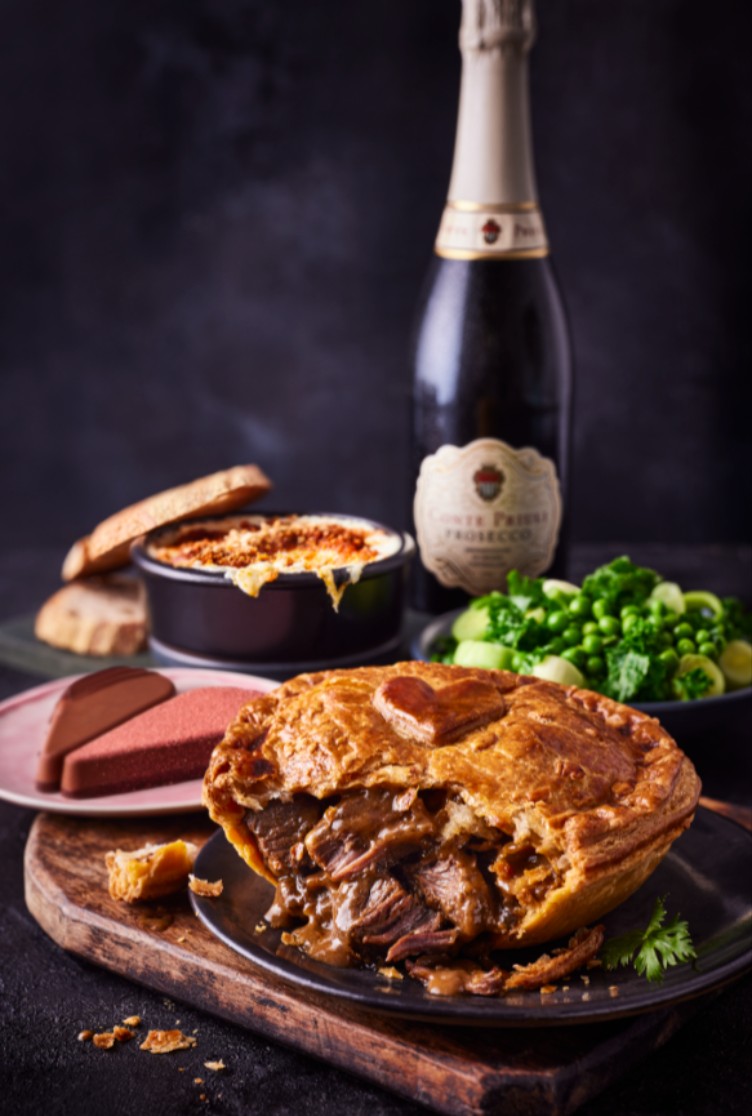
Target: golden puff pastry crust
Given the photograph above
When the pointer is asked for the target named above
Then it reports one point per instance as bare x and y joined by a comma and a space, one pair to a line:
409, 810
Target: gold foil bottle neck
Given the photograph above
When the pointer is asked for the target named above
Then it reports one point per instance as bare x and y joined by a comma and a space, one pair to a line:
497, 23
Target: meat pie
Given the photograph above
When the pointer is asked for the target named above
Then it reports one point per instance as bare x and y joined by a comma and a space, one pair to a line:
433, 814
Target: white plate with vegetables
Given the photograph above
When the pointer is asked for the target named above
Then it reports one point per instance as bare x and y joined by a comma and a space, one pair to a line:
682, 655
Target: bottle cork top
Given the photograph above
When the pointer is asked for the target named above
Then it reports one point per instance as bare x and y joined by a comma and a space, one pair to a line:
497, 23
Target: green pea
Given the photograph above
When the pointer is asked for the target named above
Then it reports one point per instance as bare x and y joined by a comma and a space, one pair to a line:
609, 625
671, 619
557, 621
670, 659
707, 648
590, 627
580, 607
629, 610
600, 609
576, 656
630, 622
684, 630
657, 608
702, 635
595, 667
572, 635
592, 644
686, 647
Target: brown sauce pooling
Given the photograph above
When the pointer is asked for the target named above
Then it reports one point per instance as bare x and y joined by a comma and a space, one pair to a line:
386, 874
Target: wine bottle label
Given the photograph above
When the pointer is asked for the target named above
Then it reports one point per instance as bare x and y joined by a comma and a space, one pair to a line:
483, 510
473, 232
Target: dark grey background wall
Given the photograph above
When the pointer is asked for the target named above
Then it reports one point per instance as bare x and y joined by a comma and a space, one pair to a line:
216, 217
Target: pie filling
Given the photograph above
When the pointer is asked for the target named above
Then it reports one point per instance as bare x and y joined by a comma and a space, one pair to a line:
386, 875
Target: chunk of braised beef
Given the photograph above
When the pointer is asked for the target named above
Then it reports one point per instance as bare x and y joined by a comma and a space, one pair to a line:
378, 911
450, 980
423, 942
371, 829
580, 949
456, 886
281, 826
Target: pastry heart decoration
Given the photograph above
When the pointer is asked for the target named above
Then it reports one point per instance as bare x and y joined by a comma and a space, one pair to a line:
417, 711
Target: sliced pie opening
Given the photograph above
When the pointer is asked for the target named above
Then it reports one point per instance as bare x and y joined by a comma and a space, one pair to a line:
385, 875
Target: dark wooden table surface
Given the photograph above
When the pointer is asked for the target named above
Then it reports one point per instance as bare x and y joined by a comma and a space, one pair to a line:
47, 996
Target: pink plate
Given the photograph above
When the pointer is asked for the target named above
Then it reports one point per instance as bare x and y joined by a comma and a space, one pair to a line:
23, 727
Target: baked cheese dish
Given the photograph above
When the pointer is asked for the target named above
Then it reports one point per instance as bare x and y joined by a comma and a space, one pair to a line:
254, 550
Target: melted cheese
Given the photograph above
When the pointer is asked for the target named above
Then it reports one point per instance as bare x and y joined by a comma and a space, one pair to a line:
252, 551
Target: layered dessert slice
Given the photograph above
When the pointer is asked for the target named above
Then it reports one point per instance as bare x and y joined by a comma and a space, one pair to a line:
93, 705
166, 744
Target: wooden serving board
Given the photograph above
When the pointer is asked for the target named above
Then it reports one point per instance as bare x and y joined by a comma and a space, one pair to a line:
165, 947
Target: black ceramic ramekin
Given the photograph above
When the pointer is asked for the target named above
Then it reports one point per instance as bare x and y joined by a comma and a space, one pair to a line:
198, 616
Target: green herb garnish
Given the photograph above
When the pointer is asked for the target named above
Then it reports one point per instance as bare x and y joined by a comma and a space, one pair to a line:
654, 949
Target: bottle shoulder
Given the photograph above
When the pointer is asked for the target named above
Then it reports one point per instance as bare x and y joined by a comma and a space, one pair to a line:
477, 314
472, 278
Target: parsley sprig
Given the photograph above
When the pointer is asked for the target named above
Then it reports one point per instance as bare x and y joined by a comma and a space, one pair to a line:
654, 949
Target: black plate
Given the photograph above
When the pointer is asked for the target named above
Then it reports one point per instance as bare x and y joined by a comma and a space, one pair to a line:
705, 878
683, 719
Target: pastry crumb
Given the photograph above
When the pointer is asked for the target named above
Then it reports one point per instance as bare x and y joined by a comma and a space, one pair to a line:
215, 1066
105, 1040
585, 997
149, 872
206, 888
584, 978
132, 1021
123, 1034
166, 1042
260, 927
391, 973
198, 1081
613, 991
548, 989
84, 1036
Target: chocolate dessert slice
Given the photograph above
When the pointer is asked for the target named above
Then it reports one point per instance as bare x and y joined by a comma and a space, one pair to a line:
166, 744
93, 705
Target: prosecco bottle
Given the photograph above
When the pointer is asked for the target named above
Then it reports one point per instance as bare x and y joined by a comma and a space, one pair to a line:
492, 359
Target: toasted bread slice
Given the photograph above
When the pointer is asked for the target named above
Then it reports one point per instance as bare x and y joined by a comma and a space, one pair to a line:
108, 546
97, 616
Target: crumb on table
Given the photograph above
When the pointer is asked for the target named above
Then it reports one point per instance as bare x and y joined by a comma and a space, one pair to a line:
166, 1042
